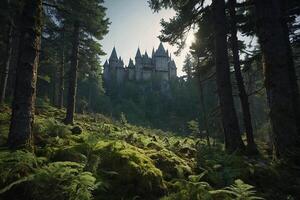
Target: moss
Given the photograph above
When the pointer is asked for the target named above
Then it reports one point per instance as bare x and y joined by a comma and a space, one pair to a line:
50, 127
137, 174
4, 123
68, 154
170, 164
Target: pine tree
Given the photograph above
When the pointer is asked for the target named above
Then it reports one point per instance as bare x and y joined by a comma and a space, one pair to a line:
280, 78
251, 146
188, 67
87, 19
188, 14
233, 140
20, 133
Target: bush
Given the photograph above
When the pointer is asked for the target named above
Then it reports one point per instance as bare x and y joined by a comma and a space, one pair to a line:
223, 169
50, 127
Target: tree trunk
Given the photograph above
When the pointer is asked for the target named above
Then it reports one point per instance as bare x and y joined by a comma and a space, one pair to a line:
20, 133
5, 72
61, 80
14, 58
233, 140
251, 146
73, 76
280, 79
207, 134
54, 86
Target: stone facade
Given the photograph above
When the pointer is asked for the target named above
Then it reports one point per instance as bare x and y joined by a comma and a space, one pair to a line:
159, 65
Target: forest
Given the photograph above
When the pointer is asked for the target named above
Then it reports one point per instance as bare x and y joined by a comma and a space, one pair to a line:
228, 129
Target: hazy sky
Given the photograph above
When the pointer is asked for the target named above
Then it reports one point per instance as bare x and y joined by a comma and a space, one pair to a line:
133, 25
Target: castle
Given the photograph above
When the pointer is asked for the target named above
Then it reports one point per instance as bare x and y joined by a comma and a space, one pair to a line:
159, 65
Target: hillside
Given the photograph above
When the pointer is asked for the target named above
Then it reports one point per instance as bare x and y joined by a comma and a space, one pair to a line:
104, 159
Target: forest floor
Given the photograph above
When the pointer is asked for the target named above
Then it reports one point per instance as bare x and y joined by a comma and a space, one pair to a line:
99, 158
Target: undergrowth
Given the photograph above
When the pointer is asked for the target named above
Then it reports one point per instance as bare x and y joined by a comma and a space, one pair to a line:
106, 159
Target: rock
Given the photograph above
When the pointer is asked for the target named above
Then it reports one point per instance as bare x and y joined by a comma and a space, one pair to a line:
76, 130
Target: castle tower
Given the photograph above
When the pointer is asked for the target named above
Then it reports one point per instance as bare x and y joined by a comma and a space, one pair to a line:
106, 74
120, 71
131, 71
113, 59
161, 63
147, 67
138, 65
172, 70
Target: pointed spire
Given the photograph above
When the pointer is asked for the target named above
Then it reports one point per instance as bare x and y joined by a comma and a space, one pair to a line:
153, 53
146, 54
114, 55
161, 50
138, 53
120, 62
105, 64
130, 65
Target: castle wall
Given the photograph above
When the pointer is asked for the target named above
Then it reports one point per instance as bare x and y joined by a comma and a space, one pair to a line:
172, 73
106, 74
120, 73
163, 75
147, 75
131, 74
161, 63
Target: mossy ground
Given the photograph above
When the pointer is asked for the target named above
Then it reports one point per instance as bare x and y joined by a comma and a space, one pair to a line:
126, 161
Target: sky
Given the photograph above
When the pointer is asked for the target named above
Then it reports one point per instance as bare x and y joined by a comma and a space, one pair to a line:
133, 25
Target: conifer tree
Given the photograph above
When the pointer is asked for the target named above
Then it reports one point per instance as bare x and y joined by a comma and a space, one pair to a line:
233, 140
251, 146
87, 21
188, 14
20, 133
280, 77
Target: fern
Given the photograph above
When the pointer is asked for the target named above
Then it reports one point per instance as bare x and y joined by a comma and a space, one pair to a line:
191, 189
66, 180
14, 165
239, 191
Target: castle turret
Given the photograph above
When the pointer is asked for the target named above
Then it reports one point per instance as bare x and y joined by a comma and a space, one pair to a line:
131, 71
138, 65
106, 71
161, 62
172, 69
120, 71
113, 59
120, 63
138, 56
106, 65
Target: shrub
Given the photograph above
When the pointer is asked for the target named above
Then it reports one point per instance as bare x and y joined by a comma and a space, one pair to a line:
239, 191
222, 168
50, 127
